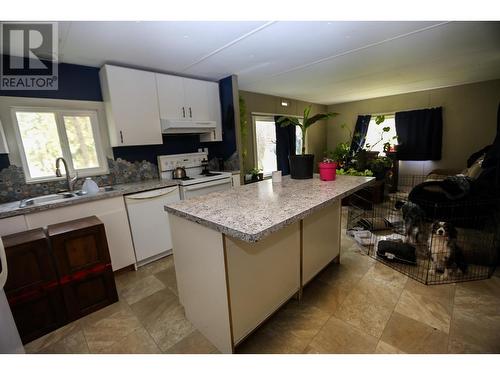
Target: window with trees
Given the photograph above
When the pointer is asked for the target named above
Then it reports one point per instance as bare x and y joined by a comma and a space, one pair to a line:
46, 134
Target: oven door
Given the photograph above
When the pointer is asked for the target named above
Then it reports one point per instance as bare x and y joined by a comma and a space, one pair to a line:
203, 188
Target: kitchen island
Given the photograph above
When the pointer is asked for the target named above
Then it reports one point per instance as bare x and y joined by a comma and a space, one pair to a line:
240, 254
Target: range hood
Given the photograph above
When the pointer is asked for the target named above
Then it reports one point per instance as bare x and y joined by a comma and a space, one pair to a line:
187, 127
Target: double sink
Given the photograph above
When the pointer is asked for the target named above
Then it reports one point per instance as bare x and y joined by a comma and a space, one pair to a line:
58, 197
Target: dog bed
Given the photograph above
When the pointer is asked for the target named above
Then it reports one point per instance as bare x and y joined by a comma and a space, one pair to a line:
397, 252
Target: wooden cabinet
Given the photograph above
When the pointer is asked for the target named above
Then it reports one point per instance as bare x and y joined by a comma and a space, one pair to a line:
190, 100
58, 276
131, 101
32, 286
111, 212
82, 259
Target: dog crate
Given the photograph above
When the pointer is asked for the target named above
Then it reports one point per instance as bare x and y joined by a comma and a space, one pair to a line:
454, 241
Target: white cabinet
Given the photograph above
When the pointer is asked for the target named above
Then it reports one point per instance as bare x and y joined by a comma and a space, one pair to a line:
131, 101
14, 224
110, 211
191, 101
171, 97
197, 100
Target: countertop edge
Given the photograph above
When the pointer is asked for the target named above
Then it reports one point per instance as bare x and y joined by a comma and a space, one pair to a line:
120, 191
255, 237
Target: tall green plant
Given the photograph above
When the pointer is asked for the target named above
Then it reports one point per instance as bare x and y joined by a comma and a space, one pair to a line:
306, 123
243, 129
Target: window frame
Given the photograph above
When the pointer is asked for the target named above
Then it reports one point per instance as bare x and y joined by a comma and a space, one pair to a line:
264, 117
59, 114
387, 115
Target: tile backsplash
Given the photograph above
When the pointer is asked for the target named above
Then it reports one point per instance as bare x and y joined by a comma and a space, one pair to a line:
13, 186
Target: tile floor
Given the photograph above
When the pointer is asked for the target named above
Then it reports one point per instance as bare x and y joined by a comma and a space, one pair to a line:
357, 306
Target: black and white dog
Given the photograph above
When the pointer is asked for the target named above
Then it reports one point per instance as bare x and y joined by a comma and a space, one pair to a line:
416, 228
446, 255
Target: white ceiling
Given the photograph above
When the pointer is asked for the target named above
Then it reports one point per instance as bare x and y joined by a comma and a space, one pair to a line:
322, 62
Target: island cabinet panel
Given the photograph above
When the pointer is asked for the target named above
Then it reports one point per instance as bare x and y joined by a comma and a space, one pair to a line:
321, 240
201, 280
262, 276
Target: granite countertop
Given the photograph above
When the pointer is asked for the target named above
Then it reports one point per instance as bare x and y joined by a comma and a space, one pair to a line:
251, 212
13, 209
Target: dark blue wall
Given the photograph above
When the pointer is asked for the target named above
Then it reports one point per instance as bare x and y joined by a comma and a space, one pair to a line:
76, 82
4, 161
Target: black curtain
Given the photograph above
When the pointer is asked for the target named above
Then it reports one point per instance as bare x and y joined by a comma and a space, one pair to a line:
285, 146
420, 134
359, 135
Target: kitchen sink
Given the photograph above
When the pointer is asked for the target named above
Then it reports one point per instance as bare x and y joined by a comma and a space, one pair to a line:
45, 199
58, 197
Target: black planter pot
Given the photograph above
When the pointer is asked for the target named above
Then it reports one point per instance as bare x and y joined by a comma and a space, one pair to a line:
301, 166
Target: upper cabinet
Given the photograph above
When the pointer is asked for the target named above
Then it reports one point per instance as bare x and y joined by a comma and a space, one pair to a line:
137, 102
131, 102
192, 102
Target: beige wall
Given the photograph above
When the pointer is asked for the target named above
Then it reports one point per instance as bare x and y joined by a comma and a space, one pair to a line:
469, 120
260, 103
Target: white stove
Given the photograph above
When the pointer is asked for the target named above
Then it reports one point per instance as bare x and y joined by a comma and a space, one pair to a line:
196, 183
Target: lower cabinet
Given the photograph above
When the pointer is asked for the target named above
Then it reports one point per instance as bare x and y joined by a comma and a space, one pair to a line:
111, 212
58, 276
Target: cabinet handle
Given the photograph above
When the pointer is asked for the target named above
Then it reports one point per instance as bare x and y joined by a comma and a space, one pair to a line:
183, 112
190, 113
121, 136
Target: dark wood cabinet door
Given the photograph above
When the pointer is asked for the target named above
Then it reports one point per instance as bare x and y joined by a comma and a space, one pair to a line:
32, 286
78, 245
90, 293
82, 258
38, 313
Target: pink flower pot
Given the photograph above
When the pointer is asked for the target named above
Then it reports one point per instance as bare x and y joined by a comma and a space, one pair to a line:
327, 171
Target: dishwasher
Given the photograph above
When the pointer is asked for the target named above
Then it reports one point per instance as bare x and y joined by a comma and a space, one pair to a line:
149, 223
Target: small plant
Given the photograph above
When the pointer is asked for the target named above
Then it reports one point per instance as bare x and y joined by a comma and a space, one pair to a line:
256, 174
255, 171
354, 172
340, 154
306, 122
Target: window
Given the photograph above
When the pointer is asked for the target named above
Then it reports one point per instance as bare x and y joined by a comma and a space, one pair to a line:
376, 137
45, 134
265, 143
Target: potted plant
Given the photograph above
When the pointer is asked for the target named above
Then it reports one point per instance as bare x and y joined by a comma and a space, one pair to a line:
257, 174
379, 166
327, 169
301, 166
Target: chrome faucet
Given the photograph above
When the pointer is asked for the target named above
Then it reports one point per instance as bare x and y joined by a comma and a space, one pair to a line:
69, 181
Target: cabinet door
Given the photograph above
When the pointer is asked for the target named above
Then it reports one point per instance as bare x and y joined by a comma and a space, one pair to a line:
215, 108
32, 288
131, 101
171, 97
110, 211
12, 224
196, 99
